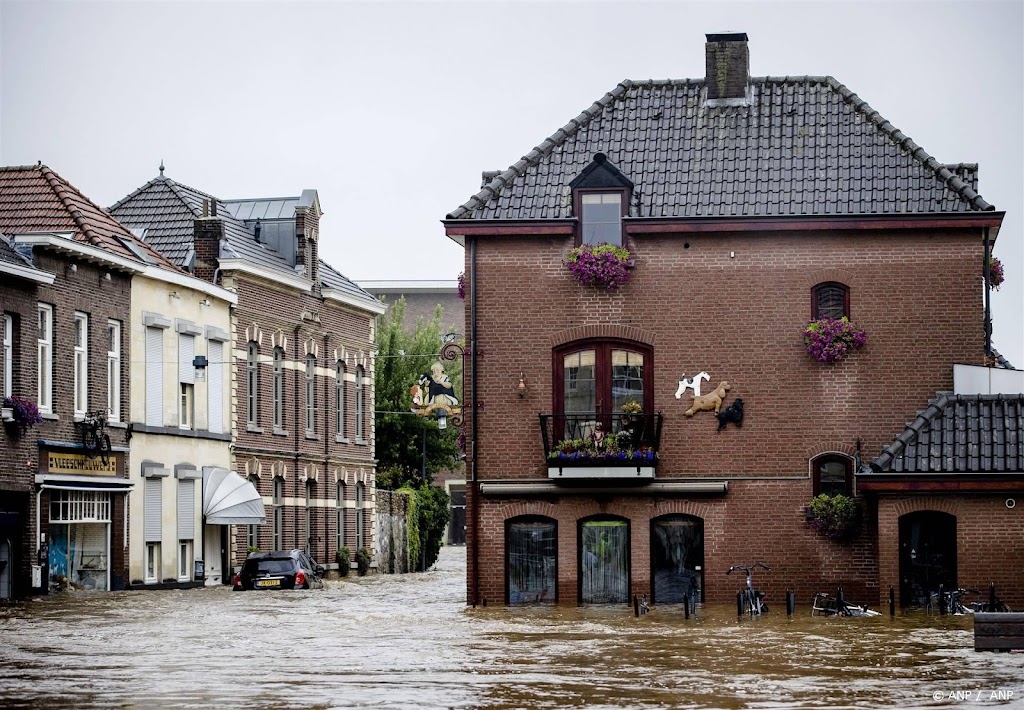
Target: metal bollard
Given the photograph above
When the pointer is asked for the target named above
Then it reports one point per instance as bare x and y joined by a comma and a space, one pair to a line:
636, 606
485, 602
991, 596
790, 602
892, 601
942, 599
739, 603
686, 606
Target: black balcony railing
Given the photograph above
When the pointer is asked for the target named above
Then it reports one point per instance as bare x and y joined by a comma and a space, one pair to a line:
601, 439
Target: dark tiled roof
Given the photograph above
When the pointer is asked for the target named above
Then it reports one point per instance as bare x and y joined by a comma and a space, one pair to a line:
1001, 361
34, 198
9, 255
804, 145
960, 434
167, 209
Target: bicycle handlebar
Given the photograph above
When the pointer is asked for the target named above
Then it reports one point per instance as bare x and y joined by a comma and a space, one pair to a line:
748, 569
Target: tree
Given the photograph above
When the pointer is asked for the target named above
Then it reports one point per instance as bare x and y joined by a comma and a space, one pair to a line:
402, 358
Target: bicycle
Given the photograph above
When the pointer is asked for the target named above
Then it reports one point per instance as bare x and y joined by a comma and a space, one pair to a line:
95, 439
825, 604
753, 600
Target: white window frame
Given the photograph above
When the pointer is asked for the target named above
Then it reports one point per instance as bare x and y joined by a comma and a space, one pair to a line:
44, 352
252, 369
81, 364
360, 404
360, 515
184, 560
309, 516
339, 393
8, 355
278, 503
278, 386
186, 406
310, 395
152, 571
114, 370
340, 503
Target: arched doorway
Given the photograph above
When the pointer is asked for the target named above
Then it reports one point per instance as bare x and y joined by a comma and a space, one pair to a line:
927, 555
604, 560
677, 558
531, 560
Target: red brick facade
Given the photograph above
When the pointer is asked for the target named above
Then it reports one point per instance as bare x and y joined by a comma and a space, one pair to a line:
734, 305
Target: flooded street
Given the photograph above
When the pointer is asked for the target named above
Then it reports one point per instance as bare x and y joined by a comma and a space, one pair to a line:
410, 641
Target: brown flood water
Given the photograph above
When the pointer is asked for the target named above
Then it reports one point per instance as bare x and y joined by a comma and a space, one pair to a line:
410, 641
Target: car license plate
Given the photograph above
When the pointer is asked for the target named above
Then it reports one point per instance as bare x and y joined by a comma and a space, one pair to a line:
268, 583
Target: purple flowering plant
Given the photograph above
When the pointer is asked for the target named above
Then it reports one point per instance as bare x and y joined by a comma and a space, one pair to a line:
462, 285
612, 449
830, 339
995, 272
25, 412
601, 266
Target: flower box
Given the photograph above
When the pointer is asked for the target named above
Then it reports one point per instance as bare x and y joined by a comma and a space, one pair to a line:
602, 265
831, 339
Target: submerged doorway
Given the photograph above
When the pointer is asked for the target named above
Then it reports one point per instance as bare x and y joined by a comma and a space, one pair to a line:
927, 556
531, 563
677, 558
604, 561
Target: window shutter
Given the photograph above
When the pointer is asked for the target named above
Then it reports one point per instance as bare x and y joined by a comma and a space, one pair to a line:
186, 509
215, 390
154, 377
152, 517
186, 355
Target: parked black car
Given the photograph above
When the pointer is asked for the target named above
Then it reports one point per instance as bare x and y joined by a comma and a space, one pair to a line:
282, 569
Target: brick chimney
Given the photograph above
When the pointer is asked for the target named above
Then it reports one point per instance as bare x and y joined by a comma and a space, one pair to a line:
728, 65
207, 233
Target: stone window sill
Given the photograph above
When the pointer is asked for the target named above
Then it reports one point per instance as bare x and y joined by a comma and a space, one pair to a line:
280, 432
312, 437
361, 442
254, 429
342, 440
49, 416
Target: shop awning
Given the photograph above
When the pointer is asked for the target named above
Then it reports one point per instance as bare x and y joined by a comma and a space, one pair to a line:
229, 499
71, 482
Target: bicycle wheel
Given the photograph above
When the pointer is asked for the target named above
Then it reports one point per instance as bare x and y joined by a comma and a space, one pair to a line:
104, 449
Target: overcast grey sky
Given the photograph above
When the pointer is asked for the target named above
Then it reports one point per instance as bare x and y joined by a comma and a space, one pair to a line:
391, 111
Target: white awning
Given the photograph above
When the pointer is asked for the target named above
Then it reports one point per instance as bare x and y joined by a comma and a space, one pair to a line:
229, 499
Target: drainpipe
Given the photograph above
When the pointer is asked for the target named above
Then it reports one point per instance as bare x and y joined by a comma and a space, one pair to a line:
474, 485
988, 298
327, 452
295, 425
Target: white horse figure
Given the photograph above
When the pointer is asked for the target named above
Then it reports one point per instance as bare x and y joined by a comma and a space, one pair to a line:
693, 384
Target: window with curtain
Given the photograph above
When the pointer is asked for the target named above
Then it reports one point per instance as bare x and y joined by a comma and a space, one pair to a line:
531, 565
604, 561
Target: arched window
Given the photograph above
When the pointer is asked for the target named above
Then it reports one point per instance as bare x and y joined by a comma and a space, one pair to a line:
252, 371
832, 475
310, 395
360, 516
340, 509
830, 300
593, 379
278, 503
339, 394
278, 388
360, 404
252, 539
531, 560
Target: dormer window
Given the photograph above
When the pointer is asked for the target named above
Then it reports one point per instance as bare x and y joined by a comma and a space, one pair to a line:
600, 200
601, 217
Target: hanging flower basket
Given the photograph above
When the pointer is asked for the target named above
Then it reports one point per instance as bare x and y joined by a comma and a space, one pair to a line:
836, 517
995, 272
601, 266
462, 285
23, 413
830, 339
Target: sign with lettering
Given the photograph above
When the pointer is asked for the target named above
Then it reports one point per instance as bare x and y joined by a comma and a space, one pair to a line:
59, 462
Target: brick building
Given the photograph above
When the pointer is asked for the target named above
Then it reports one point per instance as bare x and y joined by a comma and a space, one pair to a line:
302, 340
749, 207
67, 350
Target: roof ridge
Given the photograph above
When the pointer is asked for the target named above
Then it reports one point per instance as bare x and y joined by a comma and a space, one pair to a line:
943, 173
133, 193
60, 188
912, 430
494, 187
176, 189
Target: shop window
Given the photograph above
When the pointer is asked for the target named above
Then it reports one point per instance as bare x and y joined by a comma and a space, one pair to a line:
833, 475
604, 560
830, 300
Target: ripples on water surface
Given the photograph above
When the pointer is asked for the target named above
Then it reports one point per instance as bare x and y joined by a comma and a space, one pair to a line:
409, 641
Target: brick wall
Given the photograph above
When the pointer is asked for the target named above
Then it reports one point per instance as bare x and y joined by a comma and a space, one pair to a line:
734, 305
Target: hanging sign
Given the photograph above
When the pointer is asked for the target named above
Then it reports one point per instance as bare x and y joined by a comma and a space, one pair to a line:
434, 395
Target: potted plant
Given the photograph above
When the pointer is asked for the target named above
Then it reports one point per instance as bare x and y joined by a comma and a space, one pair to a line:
837, 517
21, 413
609, 450
995, 272
344, 558
601, 266
362, 561
831, 339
